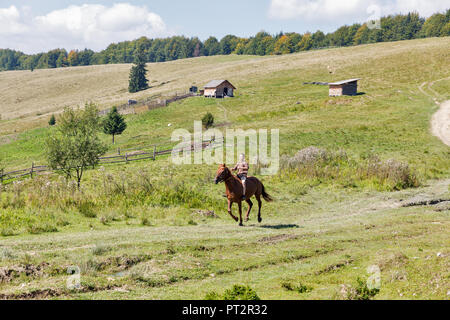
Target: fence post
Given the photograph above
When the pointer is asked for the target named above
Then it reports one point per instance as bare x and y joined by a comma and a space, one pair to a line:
32, 169
1, 176
126, 156
118, 151
154, 152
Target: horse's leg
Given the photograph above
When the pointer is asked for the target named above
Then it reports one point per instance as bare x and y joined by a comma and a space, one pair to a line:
229, 210
240, 213
258, 198
250, 205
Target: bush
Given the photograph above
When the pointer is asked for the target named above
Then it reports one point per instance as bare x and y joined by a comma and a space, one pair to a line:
361, 292
52, 120
323, 165
397, 173
237, 292
300, 288
208, 120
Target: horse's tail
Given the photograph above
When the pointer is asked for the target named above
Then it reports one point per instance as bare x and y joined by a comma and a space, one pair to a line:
265, 195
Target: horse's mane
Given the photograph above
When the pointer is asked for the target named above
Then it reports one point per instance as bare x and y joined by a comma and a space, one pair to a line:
231, 174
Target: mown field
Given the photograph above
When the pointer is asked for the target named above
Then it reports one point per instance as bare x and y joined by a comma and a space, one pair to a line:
156, 230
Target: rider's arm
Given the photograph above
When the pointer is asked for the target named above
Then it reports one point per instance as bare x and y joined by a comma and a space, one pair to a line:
235, 167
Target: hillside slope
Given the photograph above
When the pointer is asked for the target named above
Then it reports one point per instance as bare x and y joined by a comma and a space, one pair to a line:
30, 95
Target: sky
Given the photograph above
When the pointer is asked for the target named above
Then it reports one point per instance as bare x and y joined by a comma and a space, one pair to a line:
39, 25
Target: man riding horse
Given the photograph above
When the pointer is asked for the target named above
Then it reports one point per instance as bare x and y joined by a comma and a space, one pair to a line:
242, 169
241, 189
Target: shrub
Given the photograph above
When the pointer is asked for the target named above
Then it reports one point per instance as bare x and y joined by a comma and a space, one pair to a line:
237, 292
397, 173
212, 295
208, 120
300, 288
52, 120
323, 165
361, 292
313, 161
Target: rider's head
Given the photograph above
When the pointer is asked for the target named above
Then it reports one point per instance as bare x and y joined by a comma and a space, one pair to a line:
242, 157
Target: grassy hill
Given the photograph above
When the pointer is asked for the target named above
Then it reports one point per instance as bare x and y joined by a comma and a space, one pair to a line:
143, 230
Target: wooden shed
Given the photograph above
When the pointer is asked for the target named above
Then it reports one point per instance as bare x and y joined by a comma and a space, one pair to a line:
345, 87
219, 89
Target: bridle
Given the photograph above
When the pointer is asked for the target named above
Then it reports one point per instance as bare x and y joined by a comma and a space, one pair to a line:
220, 178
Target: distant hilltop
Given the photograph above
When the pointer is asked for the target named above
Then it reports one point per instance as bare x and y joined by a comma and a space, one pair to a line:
393, 28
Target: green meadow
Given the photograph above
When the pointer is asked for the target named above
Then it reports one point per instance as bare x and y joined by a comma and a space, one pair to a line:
376, 192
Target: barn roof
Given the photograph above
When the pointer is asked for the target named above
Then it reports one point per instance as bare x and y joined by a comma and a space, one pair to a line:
216, 83
343, 82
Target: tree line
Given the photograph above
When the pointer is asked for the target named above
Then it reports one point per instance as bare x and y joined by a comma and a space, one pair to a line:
393, 28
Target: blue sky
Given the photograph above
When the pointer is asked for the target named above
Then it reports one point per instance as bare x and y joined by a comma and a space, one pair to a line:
33, 26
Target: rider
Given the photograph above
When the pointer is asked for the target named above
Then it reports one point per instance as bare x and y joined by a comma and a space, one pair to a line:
242, 168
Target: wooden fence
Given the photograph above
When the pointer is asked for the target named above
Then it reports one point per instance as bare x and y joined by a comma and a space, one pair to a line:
148, 104
122, 156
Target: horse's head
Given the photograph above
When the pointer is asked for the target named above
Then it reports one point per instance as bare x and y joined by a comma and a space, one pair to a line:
223, 173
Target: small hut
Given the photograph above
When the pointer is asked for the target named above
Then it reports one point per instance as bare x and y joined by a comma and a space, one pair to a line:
219, 89
345, 87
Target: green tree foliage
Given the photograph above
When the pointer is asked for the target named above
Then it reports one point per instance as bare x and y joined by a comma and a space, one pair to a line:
208, 120
434, 25
52, 120
306, 43
393, 28
138, 80
114, 124
211, 47
75, 145
228, 44
284, 45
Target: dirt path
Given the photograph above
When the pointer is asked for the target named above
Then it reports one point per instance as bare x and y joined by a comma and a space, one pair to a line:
440, 123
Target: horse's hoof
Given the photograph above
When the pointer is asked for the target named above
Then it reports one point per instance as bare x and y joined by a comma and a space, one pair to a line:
241, 224
246, 219
259, 220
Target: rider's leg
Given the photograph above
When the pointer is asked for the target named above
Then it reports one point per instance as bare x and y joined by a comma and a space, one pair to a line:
243, 186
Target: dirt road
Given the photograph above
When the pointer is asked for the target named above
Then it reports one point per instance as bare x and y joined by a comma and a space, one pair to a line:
440, 124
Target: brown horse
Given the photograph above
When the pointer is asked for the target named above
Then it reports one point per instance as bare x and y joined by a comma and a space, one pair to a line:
234, 187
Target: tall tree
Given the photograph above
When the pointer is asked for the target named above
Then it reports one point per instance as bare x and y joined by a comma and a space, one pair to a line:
75, 145
212, 46
138, 80
114, 124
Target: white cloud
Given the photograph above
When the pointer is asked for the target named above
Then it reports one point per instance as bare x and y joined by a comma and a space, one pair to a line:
10, 21
77, 27
350, 11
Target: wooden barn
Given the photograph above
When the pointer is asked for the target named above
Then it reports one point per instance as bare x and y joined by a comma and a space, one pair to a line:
219, 89
345, 87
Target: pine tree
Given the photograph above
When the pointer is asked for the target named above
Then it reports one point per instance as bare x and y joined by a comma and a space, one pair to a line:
138, 80
52, 120
114, 123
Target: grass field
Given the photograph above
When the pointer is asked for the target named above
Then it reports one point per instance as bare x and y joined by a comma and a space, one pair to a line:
156, 230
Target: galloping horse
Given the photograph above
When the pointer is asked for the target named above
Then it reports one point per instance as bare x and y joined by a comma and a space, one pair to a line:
254, 187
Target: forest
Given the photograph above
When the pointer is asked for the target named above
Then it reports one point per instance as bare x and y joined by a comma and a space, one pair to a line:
393, 28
